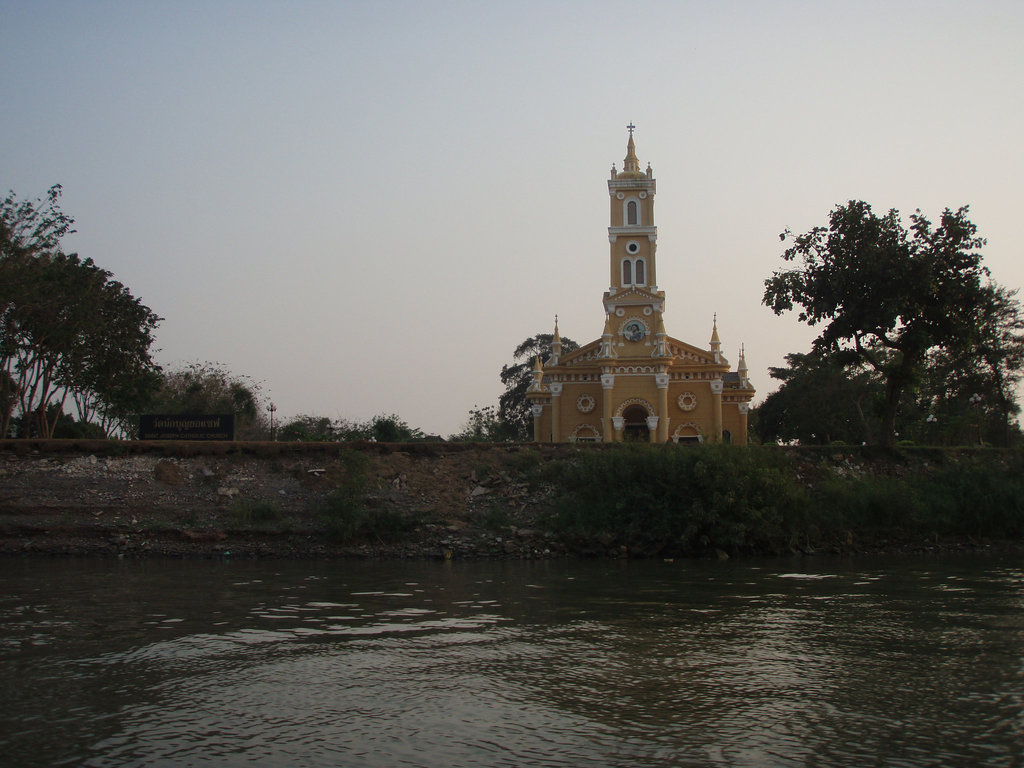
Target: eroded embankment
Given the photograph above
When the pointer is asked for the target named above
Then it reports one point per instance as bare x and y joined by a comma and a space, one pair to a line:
266, 499
459, 500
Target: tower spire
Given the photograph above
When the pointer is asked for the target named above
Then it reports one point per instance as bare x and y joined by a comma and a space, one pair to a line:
631, 164
716, 343
537, 385
556, 345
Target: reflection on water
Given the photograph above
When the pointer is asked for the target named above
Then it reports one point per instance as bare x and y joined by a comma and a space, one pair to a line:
776, 663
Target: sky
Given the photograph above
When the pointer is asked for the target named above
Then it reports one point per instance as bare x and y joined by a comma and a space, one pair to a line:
365, 206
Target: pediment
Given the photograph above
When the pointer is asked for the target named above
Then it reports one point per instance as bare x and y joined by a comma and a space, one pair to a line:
684, 354
692, 355
584, 355
632, 296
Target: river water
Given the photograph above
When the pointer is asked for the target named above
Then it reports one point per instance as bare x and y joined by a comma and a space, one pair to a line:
813, 662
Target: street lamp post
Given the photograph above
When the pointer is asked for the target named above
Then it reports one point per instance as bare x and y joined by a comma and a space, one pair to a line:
273, 409
975, 400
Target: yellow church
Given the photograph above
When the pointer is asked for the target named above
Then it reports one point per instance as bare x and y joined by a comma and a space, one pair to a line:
636, 382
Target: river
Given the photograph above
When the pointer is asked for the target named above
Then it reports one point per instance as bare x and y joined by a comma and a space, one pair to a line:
812, 662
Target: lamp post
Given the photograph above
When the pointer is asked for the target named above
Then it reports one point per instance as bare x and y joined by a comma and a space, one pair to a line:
273, 409
931, 421
975, 400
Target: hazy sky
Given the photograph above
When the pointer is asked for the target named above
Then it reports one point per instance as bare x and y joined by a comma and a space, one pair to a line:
367, 205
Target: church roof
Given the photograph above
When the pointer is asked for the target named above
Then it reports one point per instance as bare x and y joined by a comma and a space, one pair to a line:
631, 165
684, 354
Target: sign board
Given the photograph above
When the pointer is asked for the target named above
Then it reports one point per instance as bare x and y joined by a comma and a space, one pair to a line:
184, 426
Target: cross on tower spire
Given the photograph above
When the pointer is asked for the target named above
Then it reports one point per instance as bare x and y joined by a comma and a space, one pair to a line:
630, 127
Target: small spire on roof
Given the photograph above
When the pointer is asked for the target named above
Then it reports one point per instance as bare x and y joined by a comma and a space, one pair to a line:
631, 164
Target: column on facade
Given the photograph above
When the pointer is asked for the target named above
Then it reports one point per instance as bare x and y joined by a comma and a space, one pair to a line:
652, 429
741, 438
538, 413
607, 424
619, 423
716, 411
661, 380
556, 412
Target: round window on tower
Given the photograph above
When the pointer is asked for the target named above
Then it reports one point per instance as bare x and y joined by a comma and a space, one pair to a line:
633, 247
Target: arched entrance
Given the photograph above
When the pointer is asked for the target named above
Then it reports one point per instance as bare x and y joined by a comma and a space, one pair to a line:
634, 428
585, 433
687, 434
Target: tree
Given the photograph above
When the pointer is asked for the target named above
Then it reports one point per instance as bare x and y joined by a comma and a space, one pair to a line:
886, 294
999, 353
67, 330
513, 407
209, 388
482, 426
382, 428
392, 429
822, 399
317, 429
970, 390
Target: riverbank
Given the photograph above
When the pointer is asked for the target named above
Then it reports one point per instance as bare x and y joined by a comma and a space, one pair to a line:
444, 500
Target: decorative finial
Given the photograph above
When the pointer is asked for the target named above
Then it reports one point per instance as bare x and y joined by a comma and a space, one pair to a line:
631, 128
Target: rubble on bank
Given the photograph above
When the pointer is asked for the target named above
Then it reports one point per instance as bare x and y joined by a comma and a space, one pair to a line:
446, 501
57, 500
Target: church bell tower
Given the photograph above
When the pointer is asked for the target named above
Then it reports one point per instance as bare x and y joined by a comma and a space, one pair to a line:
631, 231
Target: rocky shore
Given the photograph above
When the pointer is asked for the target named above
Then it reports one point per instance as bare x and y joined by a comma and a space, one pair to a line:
194, 500
442, 500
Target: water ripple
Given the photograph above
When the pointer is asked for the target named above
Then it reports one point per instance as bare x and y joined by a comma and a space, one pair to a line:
493, 665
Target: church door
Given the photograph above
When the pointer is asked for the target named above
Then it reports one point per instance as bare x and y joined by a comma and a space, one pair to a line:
635, 428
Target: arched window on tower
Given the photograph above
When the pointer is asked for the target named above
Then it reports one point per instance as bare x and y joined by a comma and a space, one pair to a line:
640, 277
632, 213
627, 272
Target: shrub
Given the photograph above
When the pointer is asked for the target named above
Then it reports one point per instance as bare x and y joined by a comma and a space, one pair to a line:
254, 511
663, 499
345, 512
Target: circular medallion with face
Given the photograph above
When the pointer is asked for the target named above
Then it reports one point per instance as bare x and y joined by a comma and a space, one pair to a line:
634, 330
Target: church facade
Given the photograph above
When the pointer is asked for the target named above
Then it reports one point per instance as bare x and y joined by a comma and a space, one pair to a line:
636, 382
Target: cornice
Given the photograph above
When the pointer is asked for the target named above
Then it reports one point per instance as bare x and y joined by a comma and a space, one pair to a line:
645, 182
635, 229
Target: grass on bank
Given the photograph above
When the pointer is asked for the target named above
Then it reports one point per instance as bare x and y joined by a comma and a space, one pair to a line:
346, 515
663, 499
659, 500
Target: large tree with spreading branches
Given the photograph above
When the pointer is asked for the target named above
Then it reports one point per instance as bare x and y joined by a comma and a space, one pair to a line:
887, 294
69, 332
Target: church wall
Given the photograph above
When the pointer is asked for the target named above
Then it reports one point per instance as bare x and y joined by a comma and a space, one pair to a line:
571, 416
696, 397
733, 421
700, 414
545, 425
